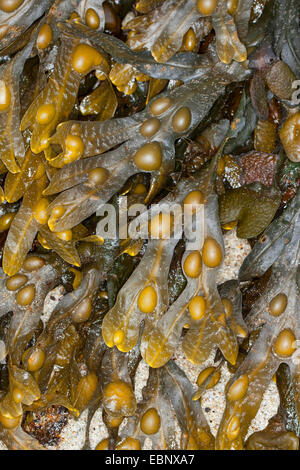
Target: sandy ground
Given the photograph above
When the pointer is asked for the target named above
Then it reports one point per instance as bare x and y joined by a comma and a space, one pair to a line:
213, 403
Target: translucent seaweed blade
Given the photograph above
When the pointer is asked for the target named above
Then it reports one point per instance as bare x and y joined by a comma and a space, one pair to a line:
81, 201
189, 414
19, 20
242, 18
16, 184
60, 93
271, 243
17, 439
259, 369
102, 102
22, 231
25, 319
94, 5
252, 206
211, 330
126, 316
277, 343
12, 147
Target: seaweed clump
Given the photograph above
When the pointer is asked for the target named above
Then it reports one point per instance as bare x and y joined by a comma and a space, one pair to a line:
176, 107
